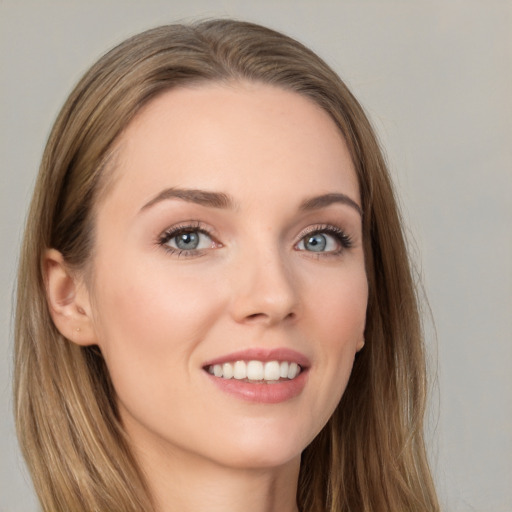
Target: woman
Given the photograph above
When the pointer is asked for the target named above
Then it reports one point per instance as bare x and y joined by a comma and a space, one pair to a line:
215, 305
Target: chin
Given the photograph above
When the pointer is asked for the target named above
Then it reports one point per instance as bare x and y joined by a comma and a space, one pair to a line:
260, 461
262, 449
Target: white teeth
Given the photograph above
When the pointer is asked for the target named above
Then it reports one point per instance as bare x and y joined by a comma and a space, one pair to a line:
240, 370
256, 370
271, 370
293, 370
227, 371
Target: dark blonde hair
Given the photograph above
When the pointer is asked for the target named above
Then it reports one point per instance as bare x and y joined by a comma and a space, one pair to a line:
370, 456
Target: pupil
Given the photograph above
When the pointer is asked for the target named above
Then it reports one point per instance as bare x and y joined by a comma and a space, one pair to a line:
316, 243
187, 241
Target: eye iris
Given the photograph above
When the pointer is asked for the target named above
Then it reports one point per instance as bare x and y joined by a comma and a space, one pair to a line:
316, 243
187, 240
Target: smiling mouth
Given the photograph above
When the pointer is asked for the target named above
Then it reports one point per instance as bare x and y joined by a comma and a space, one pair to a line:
256, 371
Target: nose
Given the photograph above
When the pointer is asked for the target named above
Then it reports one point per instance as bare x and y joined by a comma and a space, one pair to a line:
264, 289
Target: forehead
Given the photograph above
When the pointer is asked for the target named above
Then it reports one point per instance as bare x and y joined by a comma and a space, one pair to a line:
248, 137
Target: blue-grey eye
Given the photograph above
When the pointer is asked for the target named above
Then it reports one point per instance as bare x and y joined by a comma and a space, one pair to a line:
315, 243
319, 242
189, 240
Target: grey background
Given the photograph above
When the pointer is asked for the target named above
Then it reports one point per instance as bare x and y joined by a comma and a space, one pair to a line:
436, 79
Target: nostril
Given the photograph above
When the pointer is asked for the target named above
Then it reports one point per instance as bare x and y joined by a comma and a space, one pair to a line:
256, 316
264, 316
291, 316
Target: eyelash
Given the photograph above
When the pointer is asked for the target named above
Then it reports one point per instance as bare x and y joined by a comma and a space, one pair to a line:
345, 241
175, 231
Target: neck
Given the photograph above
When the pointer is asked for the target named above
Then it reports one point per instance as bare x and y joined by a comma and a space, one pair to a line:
185, 483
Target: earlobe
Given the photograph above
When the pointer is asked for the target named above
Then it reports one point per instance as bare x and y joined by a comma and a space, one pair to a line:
68, 300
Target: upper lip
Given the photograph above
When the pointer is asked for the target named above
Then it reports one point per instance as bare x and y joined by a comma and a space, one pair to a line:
262, 354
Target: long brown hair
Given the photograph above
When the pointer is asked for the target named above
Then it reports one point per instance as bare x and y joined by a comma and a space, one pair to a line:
370, 456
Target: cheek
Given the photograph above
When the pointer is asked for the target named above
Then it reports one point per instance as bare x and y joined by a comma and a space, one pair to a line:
338, 315
148, 322
135, 299
338, 304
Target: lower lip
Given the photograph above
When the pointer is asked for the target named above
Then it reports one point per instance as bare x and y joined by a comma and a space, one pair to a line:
277, 392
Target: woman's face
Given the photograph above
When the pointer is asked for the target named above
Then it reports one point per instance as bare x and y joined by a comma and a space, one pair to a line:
229, 288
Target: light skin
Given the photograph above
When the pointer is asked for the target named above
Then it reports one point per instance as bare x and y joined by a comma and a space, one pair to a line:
279, 265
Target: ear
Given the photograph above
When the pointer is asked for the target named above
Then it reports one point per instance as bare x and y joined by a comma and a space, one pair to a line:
360, 344
68, 300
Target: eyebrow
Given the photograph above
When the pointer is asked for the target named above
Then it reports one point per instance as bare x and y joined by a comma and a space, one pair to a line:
224, 201
317, 202
201, 197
